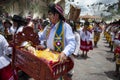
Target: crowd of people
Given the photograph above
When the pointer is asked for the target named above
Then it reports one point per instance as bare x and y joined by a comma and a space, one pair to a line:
69, 38
112, 35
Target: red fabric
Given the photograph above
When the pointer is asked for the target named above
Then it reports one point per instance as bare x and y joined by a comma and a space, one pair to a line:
85, 46
7, 73
119, 37
117, 50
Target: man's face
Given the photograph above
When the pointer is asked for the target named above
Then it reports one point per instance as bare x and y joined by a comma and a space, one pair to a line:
7, 25
15, 24
52, 17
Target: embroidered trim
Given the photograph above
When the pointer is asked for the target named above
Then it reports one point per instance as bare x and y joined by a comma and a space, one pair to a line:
59, 38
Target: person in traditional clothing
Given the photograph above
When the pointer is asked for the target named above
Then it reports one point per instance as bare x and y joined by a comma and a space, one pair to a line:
116, 40
18, 22
85, 40
97, 31
35, 27
77, 37
30, 21
78, 26
117, 60
114, 32
58, 34
7, 25
6, 71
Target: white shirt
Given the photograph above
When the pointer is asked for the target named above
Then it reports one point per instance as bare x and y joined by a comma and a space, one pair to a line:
85, 37
69, 38
4, 49
77, 38
13, 29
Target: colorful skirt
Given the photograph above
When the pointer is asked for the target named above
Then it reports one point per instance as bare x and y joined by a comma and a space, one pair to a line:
84, 46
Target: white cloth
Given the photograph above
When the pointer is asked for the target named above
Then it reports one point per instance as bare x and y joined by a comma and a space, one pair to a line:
77, 38
4, 50
116, 42
79, 30
112, 34
69, 38
97, 29
4, 62
13, 29
85, 37
20, 29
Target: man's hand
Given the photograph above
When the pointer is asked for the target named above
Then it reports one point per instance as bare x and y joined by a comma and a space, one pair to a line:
31, 50
62, 57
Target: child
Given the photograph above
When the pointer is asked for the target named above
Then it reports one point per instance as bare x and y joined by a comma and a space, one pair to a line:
85, 40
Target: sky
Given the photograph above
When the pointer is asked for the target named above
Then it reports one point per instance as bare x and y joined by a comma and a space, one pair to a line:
88, 10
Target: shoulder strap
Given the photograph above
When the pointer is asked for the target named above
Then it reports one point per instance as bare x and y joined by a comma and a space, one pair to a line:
59, 38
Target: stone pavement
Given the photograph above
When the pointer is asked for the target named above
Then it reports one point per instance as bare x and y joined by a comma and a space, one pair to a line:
98, 65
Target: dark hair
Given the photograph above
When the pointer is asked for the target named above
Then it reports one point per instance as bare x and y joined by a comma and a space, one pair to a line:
86, 23
7, 21
78, 22
52, 9
19, 20
74, 29
73, 26
45, 23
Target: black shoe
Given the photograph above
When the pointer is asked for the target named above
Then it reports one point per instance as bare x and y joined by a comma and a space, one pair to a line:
95, 46
86, 57
116, 74
70, 75
82, 55
76, 56
114, 59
